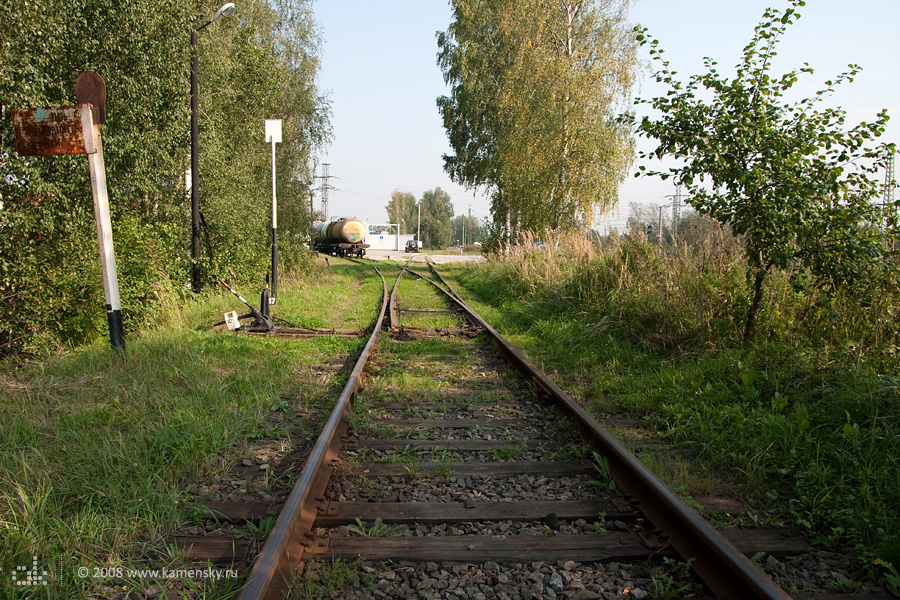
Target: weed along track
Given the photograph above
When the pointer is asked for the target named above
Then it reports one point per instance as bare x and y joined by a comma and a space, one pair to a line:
451, 468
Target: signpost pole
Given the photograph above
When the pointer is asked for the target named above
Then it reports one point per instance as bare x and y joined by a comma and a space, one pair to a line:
274, 232
104, 227
273, 134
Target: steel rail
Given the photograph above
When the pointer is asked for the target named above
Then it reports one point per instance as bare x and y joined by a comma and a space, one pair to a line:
721, 566
392, 304
272, 572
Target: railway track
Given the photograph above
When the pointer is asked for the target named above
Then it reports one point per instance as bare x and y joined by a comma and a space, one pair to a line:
450, 465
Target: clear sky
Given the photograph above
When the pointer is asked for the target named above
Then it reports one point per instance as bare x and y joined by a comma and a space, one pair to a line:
379, 69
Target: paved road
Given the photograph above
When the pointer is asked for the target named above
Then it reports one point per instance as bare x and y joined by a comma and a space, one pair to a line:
439, 259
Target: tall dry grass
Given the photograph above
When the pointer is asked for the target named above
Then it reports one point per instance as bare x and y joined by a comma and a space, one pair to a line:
689, 297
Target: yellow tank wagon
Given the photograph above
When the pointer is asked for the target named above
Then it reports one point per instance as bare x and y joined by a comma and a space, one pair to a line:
342, 237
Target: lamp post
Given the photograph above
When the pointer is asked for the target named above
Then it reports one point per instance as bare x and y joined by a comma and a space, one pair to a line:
224, 11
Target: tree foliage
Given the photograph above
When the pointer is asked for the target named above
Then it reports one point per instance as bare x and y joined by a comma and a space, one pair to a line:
788, 176
690, 227
436, 212
535, 85
471, 226
260, 63
248, 82
402, 209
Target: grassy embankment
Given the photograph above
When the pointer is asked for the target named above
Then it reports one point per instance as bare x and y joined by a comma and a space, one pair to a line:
97, 451
802, 423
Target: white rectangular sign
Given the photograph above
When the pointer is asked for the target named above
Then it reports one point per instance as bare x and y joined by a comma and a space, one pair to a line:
273, 131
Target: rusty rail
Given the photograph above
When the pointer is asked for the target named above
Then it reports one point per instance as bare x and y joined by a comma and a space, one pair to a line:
721, 566
392, 303
272, 572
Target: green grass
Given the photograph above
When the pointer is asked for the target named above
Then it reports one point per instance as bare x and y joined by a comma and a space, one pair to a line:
393, 376
427, 349
97, 450
803, 423
322, 297
417, 293
377, 529
337, 579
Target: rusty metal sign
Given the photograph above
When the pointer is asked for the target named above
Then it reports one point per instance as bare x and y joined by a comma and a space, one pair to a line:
49, 131
91, 89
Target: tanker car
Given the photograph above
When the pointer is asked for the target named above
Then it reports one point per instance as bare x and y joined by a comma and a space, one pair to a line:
343, 237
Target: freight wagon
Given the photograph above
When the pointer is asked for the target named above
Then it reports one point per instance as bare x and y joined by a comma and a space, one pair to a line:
342, 237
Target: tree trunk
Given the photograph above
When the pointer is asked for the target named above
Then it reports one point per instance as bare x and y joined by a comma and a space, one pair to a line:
750, 325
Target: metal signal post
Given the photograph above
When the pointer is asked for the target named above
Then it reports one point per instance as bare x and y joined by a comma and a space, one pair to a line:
273, 135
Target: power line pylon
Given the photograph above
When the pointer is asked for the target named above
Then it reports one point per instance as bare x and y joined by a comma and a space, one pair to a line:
326, 186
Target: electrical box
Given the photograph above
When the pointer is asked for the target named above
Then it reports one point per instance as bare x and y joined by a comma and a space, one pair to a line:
231, 320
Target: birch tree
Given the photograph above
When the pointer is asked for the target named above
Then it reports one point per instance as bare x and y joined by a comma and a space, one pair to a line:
402, 207
535, 87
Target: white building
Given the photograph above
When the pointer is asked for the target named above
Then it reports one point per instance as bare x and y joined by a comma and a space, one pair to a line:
386, 236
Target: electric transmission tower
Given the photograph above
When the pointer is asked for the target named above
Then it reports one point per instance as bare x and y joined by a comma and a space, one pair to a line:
326, 186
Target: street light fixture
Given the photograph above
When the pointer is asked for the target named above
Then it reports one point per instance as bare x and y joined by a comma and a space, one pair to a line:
225, 10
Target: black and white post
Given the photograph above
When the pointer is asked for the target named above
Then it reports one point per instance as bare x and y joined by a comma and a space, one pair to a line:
273, 135
104, 227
